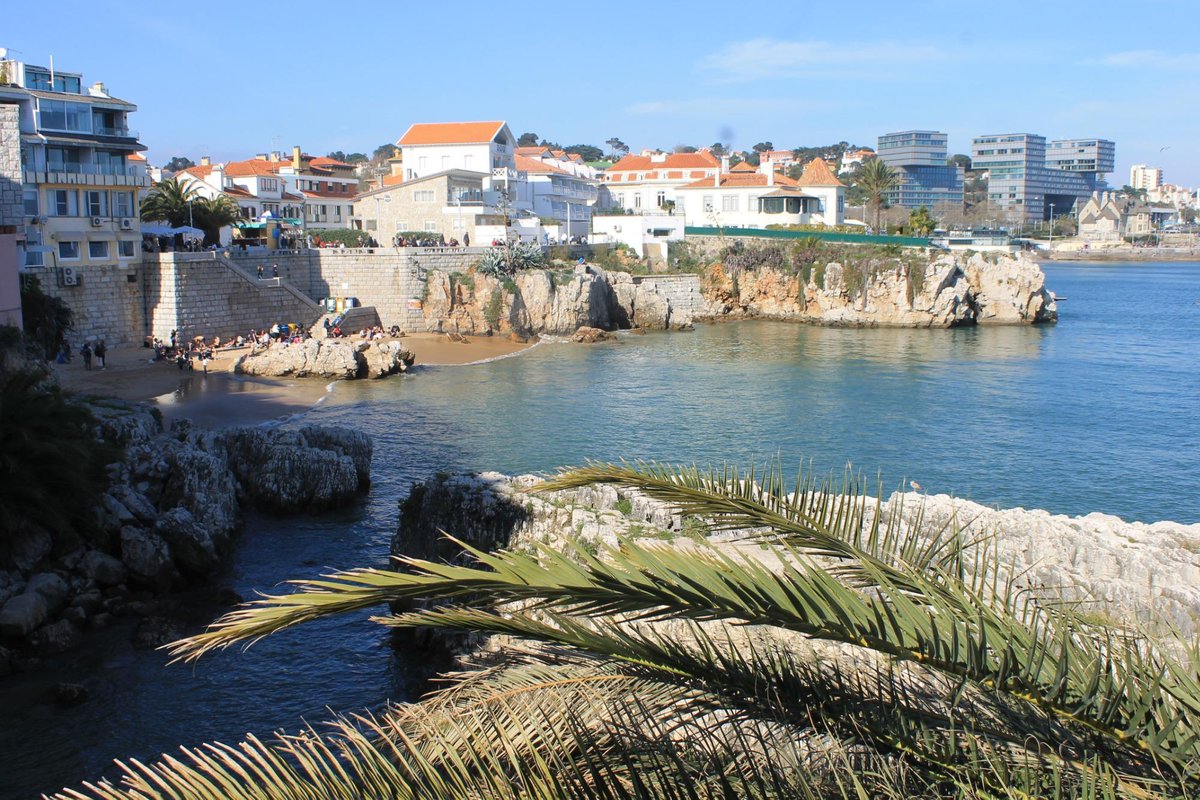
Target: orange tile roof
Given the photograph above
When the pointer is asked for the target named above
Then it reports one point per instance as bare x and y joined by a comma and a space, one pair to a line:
325, 161
672, 161
236, 191
574, 157
254, 166
817, 173
743, 166
741, 180
532, 150
533, 165
393, 180
450, 133
200, 171
136, 157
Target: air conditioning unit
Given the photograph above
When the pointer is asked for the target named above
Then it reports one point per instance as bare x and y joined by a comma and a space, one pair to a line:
42, 220
97, 222
70, 277
126, 224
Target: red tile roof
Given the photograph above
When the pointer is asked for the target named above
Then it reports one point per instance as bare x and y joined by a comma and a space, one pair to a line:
817, 173
741, 180
450, 133
237, 191
325, 161
532, 150
743, 166
533, 165
254, 166
672, 161
200, 171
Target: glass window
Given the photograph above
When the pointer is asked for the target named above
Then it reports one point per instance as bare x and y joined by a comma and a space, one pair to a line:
60, 115
126, 248
708, 202
431, 226
97, 204
31, 201
97, 250
123, 204
64, 202
64, 159
68, 251
729, 202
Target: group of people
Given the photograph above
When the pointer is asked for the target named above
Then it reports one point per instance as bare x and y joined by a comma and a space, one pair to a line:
274, 271
92, 353
333, 330
429, 241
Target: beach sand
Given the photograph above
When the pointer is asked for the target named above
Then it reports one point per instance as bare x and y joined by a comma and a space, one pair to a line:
222, 399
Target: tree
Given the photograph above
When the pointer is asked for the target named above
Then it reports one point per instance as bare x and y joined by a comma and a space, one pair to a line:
383, 152
827, 652
920, 222
959, 160
718, 149
46, 319
876, 179
763, 147
173, 202
178, 163
211, 214
347, 158
616, 148
550, 144
527, 140
686, 148
587, 151
1187, 215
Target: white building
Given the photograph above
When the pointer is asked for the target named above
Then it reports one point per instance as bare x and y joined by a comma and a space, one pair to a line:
428, 148
852, 158
561, 191
327, 185
257, 189
648, 235
80, 182
749, 197
1144, 177
648, 182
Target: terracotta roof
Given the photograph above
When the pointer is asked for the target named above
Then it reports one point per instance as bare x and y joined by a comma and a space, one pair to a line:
200, 171
450, 133
817, 173
672, 161
532, 150
780, 155
743, 166
236, 191
533, 165
574, 157
289, 196
254, 166
393, 180
325, 161
741, 180
136, 157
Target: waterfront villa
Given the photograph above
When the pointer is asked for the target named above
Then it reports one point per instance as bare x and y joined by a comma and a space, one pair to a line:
254, 185
452, 204
749, 197
560, 189
1107, 217
648, 182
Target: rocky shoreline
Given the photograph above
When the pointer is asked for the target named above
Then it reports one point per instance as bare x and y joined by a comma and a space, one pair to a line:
1139, 574
165, 524
339, 359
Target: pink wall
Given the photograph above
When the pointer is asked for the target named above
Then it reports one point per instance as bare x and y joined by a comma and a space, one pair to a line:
10, 286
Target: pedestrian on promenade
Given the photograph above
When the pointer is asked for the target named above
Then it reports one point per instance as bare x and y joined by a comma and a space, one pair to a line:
260, 272
275, 270
101, 350
466, 240
86, 352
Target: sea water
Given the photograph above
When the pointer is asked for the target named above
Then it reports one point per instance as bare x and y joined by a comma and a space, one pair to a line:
1097, 413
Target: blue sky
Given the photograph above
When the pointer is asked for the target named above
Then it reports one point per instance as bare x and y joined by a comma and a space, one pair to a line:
231, 79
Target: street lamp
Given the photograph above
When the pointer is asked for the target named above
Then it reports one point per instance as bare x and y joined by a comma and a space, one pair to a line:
1052, 227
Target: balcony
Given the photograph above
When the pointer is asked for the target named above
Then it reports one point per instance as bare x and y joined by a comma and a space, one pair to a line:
123, 133
88, 175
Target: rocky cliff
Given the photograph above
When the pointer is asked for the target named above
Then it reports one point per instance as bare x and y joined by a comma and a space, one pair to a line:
946, 291
344, 359
165, 523
1130, 571
547, 302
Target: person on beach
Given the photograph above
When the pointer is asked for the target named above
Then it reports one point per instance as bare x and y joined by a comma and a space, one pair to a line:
101, 350
86, 352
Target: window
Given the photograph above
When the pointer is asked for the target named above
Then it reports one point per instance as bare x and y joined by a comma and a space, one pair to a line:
97, 204
68, 251
423, 196
64, 202
59, 115
123, 204
708, 202
126, 248
637, 201
729, 202
468, 161
97, 251
660, 199
31, 201
64, 159
431, 227
445, 162
33, 238
401, 225
423, 163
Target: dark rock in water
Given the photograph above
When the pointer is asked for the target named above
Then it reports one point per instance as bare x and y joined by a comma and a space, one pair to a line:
586, 335
154, 632
228, 597
22, 614
103, 568
101, 621
147, 557
52, 588
312, 469
57, 637
69, 695
191, 543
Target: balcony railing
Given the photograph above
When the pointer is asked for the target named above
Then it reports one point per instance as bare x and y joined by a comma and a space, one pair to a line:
95, 169
124, 133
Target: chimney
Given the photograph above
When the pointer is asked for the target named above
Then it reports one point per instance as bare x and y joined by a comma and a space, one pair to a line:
767, 167
296, 158
275, 156
260, 156
98, 90
206, 161
724, 164
397, 166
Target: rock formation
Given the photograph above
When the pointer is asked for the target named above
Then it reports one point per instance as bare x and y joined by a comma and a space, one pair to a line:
1128, 571
165, 523
343, 359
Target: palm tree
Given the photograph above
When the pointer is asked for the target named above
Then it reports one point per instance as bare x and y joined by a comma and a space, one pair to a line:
214, 213
876, 179
173, 202
824, 652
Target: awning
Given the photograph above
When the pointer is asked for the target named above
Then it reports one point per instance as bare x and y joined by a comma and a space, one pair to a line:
788, 192
150, 229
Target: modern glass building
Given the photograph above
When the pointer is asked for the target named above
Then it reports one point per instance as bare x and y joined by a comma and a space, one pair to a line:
1031, 178
919, 157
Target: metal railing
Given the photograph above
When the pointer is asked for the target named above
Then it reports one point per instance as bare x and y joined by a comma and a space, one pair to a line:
125, 133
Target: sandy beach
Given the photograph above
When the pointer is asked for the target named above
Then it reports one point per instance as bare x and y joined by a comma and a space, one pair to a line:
221, 398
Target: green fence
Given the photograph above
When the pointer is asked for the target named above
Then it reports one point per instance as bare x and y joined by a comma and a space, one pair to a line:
846, 238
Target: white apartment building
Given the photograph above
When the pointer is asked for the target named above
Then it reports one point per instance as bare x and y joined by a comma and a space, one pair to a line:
80, 180
648, 182
560, 189
750, 197
257, 189
1144, 177
428, 148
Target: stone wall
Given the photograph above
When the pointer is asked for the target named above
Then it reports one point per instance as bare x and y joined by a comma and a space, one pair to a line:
107, 303
204, 294
682, 292
12, 213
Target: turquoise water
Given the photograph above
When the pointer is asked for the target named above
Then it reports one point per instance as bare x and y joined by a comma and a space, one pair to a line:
1098, 413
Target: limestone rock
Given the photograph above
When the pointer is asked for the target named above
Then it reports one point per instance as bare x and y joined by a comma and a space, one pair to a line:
57, 637
381, 359
305, 470
22, 614
342, 359
191, 543
1012, 292
102, 568
52, 588
147, 556
588, 335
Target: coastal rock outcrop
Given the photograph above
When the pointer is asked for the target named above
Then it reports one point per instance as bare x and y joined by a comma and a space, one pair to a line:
341, 359
1128, 571
166, 521
944, 292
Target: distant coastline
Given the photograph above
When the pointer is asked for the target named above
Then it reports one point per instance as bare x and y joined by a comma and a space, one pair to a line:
1122, 254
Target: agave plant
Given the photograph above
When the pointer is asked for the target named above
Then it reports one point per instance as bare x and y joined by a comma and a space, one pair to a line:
510, 258
824, 653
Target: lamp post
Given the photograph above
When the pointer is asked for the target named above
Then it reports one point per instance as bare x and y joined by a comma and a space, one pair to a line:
1052, 227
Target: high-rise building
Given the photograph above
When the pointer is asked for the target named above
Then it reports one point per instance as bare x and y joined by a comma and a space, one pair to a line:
1030, 178
919, 158
1144, 177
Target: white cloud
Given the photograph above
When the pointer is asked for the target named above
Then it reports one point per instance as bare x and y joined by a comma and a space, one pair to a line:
757, 59
1151, 59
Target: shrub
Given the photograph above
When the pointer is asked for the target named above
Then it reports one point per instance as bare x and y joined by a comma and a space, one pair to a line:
491, 312
510, 258
47, 319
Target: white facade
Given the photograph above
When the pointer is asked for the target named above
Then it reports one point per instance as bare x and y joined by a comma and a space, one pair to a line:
560, 191
644, 234
484, 147
757, 199
648, 182
1144, 177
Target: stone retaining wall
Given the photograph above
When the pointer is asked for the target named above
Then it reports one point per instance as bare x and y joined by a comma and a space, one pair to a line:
682, 292
107, 303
